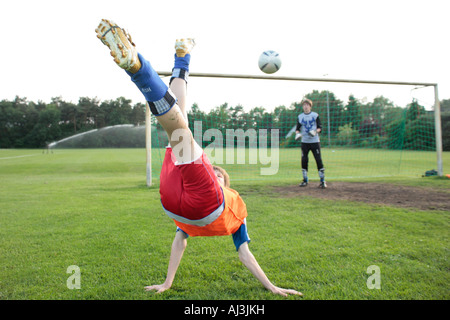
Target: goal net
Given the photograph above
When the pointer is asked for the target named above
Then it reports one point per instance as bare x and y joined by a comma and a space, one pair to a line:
365, 132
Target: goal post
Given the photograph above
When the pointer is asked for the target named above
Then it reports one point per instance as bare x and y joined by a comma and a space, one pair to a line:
427, 138
438, 128
148, 144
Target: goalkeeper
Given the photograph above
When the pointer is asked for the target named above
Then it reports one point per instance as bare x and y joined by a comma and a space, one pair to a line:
194, 194
308, 128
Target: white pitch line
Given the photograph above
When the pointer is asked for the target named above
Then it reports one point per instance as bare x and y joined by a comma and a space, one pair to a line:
27, 155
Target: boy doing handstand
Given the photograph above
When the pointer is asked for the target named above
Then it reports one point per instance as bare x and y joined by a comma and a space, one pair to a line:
195, 194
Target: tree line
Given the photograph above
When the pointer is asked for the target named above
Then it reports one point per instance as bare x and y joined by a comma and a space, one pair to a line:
27, 124
379, 123
376, 124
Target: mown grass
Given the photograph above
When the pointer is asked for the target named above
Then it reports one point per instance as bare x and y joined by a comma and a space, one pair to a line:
92, 209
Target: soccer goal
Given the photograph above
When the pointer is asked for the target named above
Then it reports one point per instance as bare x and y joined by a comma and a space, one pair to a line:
364, 132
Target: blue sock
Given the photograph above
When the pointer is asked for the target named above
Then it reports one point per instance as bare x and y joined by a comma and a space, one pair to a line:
148, 81
182, 62
181, 67
322, 174
305, 175
160, 99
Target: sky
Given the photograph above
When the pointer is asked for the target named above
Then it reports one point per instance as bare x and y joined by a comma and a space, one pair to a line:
50, 49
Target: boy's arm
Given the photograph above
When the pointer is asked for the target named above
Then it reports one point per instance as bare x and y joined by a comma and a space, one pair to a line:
299, 125
250, 262
178, 246
318, 124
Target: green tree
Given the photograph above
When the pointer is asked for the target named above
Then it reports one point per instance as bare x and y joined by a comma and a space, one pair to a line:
256, 116
46, 129
69, 116
218, 117
445, 124
347, 136
137, 116
22, 121
237, 119
377, 110
419, 130
7, 115
329, 108
87, 113
285, 119
414, 110
352, 112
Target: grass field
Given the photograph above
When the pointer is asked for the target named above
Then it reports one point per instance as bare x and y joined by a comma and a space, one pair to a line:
92, 209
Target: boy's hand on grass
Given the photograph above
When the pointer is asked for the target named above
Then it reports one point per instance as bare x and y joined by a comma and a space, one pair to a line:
158, 287
285, 292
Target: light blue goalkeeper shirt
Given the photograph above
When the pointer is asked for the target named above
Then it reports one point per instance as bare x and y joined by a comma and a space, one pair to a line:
306, 123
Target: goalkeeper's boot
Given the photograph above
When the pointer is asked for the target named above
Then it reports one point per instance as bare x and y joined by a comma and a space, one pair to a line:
184, 46
121, 45
303, 184
322, 185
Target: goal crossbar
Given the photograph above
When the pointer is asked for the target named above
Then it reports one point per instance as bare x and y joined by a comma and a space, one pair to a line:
264, 77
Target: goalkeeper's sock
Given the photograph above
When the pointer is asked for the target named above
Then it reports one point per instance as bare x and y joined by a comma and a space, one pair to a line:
305, 175
155, 91
322, 174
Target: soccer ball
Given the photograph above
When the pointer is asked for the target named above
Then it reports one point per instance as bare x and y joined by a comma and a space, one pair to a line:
269, 61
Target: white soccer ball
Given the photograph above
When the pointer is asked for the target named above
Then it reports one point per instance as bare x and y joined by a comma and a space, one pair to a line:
269, 61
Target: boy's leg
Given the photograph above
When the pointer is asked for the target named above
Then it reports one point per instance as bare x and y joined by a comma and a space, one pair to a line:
315, 149
318, 157
305, 151
180, 72
178, 87
160, 98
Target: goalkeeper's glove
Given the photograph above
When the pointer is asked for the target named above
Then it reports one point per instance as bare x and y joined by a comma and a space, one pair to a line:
312, 133
298, 136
